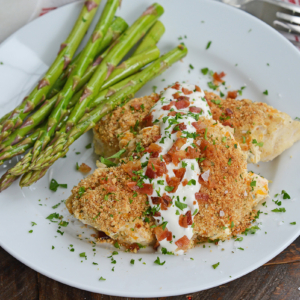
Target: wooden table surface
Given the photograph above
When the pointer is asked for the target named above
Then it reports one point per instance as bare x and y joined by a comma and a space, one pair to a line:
278, 279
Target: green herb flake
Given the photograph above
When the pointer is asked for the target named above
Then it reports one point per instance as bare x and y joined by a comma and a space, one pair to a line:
285, 195
280, 209
132, 262
266, 92
204, 71
54, 185
101, 278
208, 45
216, 265
157, 261
89, 146
293, 223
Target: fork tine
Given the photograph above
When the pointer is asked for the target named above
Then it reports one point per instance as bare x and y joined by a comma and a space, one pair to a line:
287, 26
289, 18
292, 7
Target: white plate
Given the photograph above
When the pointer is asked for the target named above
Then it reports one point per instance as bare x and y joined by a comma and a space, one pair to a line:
237, 38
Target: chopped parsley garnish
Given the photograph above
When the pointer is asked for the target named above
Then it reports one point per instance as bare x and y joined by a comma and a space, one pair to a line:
154, 88
81, 191
254, 141
82, 255
266, 92
251, 230
280, 209
232, 224
169, 188
116, 244
77, 153
208, 45
239, 239
95, 264
118, 154
101, 278
60, 232
180, 205
107, 162
192, 182
77, 166
240, 248
253, 183
98, 214
63, 223
204, 71
293, 223
160, 182
157, 261
216, 265
285, 195
229, 162
56, 205
33, 224
212, 86
54, 216
54, 185
30, 231
89, 146
191, 67
166, 252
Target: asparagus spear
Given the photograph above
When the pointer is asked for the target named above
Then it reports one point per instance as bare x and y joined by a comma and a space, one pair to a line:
123, 44
63, 98
118, 26
127, 68
27, 142
151, 38
63, 58
60, 147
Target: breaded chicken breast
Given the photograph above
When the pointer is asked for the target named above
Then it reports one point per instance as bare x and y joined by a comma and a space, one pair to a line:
262, 131
112, 201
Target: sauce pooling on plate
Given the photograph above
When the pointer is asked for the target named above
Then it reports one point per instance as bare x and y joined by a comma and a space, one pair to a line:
171, 165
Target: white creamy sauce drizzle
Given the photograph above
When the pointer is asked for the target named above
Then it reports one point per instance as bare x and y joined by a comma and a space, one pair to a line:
184, 194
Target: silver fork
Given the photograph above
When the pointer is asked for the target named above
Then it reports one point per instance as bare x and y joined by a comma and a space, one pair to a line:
284, 17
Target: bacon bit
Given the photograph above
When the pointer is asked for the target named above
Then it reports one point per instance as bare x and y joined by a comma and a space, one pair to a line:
189, 217
228, 111
132, 166
232, 94
146, 189
154, 149
218, 77
200, 127
162, 234
156, 168
185, 182
183, 243
103, 236
148, 120
202, 197
183, 221
173, 182
155, 200
186, 91
168, 107
175, 153
111, 188
157, 214
176, 86
136, 105
197, 88
166, 202
173, 113
167, 158
195, 109
156, 137
192, 153
176, 95
84, 168
227, 123
179, 173
180, 127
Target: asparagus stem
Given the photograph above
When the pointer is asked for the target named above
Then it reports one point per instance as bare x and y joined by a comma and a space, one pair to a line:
118, 26
123, 44
63, 58
86, 57
151, 38
61, 146
27, 142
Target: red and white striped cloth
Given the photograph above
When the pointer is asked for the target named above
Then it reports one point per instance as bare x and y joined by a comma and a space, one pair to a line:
19, 12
